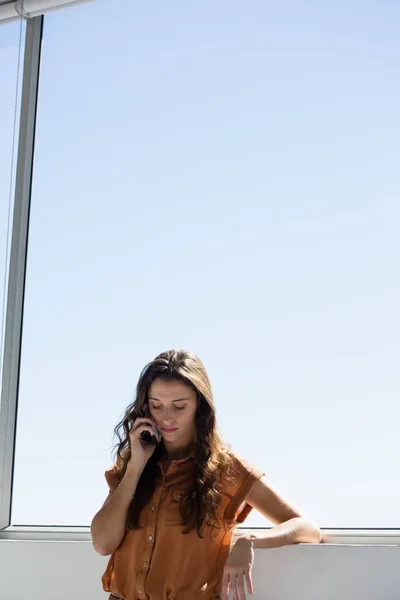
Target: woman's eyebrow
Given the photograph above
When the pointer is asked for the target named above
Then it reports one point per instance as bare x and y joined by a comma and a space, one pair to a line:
177, 400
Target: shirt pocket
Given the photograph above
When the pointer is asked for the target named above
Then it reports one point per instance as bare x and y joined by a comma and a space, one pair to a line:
173, 517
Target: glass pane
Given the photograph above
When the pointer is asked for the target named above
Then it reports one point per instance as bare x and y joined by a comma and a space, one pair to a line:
220, 177
12, 39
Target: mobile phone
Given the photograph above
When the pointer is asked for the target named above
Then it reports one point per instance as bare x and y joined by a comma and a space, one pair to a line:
146, 436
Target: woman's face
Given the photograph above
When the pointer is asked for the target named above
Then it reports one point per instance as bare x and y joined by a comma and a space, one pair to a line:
173, 406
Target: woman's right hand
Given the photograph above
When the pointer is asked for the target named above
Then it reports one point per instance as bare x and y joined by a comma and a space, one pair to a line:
141, 450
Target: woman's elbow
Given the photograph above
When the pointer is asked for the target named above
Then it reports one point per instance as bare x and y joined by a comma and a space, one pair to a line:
101, 549
309, 533
315, 534
100, 543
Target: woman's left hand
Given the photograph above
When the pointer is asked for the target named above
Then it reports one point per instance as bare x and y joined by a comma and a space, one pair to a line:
238, 570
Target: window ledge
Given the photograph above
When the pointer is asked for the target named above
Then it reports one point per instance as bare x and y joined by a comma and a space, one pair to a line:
331, 537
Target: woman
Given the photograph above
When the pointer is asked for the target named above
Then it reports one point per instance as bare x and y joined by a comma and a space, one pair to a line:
177, 492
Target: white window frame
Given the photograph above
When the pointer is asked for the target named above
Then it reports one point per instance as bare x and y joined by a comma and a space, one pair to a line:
13, 10
17, 270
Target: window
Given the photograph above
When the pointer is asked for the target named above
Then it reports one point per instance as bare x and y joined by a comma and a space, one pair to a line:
221, 177
11, 47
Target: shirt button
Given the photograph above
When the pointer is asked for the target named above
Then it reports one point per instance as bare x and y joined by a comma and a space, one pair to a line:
140, 591
179, 496
145, 565
153, 508
150, 538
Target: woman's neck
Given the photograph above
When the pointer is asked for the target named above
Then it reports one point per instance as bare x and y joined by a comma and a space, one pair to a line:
176, 452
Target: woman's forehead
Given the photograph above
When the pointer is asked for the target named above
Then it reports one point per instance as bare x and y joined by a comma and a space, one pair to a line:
170, 390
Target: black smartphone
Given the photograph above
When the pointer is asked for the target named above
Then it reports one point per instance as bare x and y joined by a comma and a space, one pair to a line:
146, 436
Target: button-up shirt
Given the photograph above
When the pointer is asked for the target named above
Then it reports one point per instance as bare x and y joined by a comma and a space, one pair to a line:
158, 561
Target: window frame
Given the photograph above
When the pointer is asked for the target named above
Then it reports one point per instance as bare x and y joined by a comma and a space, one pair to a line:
346, 537
17, 267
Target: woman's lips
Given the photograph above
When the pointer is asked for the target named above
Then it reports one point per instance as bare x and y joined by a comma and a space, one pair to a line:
168, 430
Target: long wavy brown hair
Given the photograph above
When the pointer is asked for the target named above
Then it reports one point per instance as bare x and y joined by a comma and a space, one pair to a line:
211, 455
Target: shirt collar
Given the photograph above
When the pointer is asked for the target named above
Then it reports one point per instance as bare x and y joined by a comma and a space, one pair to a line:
181, 460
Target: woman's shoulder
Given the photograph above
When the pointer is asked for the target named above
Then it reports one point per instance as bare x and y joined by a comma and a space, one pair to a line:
236, 484
113, 477
239, 471
115, 473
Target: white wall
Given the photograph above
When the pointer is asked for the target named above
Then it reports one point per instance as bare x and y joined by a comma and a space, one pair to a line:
59, 570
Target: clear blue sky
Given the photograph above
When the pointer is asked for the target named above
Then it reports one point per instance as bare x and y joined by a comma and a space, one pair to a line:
221, 177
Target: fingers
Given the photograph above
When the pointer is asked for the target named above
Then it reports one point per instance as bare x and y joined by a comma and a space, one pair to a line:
249, 581
240, 587
142, 420
139, 430
237, 588
225, 586
235, 584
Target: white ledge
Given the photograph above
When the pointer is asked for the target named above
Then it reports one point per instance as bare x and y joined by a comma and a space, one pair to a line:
347, 537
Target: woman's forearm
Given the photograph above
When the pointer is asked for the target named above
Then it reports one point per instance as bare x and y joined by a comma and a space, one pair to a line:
108, 525
294, 531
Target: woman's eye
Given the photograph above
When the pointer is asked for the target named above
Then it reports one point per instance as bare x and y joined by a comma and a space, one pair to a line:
176, 407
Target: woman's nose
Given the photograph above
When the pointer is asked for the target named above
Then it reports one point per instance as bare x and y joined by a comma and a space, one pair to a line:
166, 418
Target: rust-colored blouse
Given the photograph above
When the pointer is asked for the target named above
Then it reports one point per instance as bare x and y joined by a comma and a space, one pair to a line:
158, 561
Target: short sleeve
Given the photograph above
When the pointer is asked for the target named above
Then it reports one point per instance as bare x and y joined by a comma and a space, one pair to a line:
242, 475
112, 478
